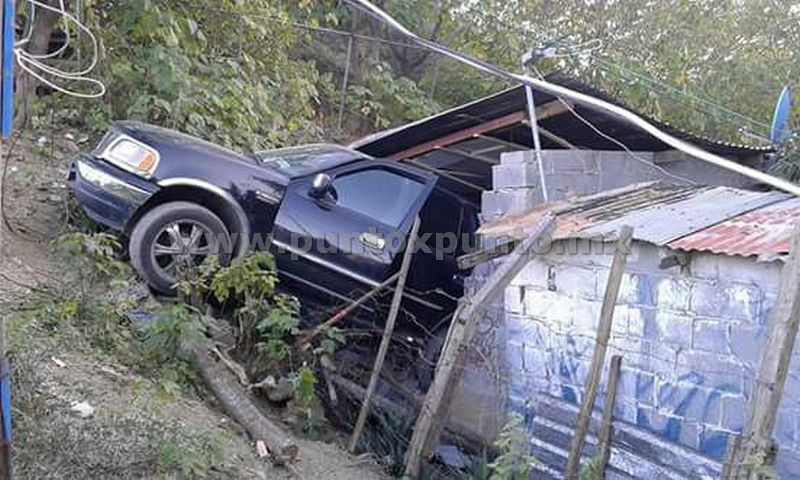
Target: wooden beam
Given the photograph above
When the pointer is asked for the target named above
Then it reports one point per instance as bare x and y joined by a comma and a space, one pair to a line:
436, 407
606, 427
550, 109
776, 355
600, 346
303, 341
394, 309
470, 155
446, 174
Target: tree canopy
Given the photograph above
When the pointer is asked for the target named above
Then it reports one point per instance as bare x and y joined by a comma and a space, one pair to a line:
270, 72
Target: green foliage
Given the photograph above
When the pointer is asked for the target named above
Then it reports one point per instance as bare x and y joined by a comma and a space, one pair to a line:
267, 320
279, 324
89, 308
193, 453
515, 460
251, 277
215, 69
593, 470
755, 465
174, 326
94, 255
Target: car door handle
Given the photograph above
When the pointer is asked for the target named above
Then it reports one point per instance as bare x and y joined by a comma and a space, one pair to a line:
372, 240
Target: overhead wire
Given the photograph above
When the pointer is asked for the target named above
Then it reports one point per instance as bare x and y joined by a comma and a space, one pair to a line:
619, 143
587, 100
33, 63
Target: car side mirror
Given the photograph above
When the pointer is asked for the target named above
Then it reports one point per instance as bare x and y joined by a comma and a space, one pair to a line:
321, 185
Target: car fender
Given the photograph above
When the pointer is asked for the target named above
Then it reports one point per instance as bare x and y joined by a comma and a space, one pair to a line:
244, 244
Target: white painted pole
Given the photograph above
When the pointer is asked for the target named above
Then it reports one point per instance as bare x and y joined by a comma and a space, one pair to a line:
588, 101
537, 144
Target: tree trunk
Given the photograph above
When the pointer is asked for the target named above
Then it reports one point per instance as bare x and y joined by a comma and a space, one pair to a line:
41, 31
238, 405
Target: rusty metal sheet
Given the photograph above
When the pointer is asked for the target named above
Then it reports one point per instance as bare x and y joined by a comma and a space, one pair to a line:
763, 232
664, 222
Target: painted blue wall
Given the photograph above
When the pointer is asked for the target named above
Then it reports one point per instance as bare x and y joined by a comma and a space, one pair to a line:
690, 340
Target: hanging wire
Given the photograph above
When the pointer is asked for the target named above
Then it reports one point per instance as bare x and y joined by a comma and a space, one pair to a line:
34, 66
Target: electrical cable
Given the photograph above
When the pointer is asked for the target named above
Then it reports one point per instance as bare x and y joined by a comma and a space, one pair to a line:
33, 65
584, 99
615, 141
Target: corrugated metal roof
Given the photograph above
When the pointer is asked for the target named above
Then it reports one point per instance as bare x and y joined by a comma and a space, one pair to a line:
719, 219
764, 232
568, 127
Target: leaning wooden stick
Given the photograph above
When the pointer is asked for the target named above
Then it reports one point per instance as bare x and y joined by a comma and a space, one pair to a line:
341, 314
394, 309
436, 407
606, 428
600, 347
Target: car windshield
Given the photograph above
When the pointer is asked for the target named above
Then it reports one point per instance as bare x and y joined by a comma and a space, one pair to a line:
299, 161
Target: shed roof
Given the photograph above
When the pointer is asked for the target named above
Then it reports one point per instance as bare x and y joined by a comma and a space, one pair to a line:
508, 104
721, 220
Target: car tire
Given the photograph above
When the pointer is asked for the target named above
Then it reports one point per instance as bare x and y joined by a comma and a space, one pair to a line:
153, 232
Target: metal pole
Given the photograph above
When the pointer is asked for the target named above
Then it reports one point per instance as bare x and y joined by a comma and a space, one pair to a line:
537, 144
345, 78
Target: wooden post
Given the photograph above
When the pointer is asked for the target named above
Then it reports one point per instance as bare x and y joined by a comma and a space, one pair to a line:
436, 407
394, 309
600, 347
774, 364
344, 312
604, 439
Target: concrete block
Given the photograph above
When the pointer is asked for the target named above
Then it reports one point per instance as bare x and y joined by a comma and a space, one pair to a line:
786, 425
714, 442
534, 274
577, 281
641, 322
550, 306
746, 341
515, 175
518, 157
705, 266
585, 316
673, 293
513, 298
726, 300
717, 372
674, 328
734, 412
661, 424
711, 336
689, 399
638, 386
495, 204
748, 271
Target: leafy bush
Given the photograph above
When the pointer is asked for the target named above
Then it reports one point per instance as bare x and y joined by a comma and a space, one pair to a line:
515, 460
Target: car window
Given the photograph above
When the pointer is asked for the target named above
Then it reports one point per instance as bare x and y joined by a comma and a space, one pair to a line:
379, 194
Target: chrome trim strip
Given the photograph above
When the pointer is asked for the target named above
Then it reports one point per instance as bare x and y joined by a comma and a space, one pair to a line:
120, 137
111, 184
193, 182
344, 271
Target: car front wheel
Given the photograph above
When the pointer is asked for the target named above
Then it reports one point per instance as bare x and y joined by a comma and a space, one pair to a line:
176, 235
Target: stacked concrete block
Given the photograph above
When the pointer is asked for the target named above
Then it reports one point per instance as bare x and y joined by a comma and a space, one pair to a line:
690, 343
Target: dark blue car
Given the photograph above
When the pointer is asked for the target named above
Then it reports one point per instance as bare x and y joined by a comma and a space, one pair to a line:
335, 219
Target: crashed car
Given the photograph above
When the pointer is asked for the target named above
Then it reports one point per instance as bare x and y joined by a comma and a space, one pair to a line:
335, 219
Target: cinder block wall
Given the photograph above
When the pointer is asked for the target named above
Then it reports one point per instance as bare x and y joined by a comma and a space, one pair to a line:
571, 173
690, 338
690, 342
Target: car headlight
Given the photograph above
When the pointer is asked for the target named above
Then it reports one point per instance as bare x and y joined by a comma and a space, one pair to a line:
132, 155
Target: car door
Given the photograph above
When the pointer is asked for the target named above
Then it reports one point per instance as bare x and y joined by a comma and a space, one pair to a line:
352, 240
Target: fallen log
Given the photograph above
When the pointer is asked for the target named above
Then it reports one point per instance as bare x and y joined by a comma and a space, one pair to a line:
236, 403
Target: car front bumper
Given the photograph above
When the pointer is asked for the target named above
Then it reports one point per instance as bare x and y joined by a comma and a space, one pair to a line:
107, 194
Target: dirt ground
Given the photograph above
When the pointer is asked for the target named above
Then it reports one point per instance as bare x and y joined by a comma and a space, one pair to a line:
134, 429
